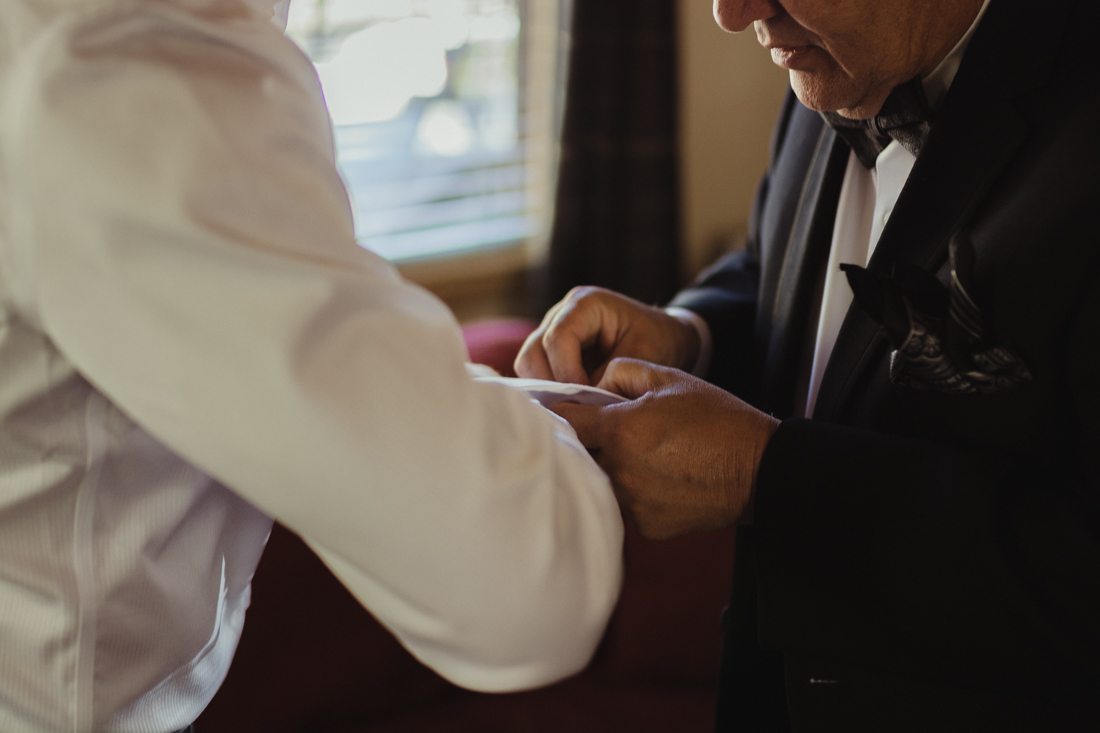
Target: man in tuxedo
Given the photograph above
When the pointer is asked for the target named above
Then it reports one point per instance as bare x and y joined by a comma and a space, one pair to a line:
911, 444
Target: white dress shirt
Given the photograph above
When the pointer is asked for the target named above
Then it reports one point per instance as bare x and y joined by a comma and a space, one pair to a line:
867, 198
192, 343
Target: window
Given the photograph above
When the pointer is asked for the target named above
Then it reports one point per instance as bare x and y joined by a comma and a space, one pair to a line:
445, 114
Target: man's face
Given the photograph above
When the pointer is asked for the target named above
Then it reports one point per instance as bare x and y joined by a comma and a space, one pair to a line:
847, 55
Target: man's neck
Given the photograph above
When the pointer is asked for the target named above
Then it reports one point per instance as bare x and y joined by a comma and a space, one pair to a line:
948, 26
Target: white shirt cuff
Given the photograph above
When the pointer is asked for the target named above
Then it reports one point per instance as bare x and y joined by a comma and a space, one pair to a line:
706, 343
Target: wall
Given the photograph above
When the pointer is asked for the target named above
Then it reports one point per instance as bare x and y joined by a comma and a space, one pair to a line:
730, 93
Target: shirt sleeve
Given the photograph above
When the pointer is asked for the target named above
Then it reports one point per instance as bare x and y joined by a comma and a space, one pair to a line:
183, 237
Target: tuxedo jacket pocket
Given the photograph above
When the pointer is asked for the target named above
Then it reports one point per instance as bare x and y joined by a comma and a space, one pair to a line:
940, 337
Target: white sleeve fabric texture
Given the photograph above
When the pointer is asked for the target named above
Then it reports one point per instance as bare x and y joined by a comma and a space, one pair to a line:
184, 239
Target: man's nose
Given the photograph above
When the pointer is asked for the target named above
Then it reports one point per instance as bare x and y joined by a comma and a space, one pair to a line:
737, 15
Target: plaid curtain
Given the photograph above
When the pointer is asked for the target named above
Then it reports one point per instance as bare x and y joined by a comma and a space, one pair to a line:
616, 222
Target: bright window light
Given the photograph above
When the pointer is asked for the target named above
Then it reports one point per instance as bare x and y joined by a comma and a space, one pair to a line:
426, 97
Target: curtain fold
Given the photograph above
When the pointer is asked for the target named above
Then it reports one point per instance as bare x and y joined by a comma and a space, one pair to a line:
616, 221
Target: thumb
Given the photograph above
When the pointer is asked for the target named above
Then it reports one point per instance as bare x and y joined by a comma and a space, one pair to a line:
585, 419
633, 378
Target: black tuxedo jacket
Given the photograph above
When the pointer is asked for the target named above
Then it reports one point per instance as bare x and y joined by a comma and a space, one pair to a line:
926, 561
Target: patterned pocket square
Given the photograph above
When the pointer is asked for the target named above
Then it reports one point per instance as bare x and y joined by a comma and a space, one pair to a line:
937, 331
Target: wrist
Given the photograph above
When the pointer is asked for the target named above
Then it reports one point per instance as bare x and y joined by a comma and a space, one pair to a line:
747, 456
695, 341
768, 426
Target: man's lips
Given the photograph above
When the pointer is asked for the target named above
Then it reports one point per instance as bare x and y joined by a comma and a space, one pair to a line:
791, 57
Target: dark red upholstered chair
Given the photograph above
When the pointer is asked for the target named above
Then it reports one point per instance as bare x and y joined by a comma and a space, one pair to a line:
312, 660
496, 342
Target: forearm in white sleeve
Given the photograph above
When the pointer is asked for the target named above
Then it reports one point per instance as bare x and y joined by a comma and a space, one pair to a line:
192, 254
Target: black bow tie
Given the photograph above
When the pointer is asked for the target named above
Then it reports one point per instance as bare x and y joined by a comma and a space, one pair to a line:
905, 117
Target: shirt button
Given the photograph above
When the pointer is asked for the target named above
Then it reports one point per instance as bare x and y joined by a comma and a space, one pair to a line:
886, 216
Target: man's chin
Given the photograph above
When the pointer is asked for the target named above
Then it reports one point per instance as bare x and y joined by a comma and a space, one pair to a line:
821, 93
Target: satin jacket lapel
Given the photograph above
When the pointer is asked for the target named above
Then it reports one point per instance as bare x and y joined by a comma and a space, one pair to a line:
806, 253
961, 160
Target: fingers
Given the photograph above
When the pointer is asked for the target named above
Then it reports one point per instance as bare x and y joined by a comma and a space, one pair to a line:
531, 362
633, 378
591, 326
575, 328
555, 350
585, 420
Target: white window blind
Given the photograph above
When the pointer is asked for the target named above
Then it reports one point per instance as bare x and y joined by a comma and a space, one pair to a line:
445, 114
